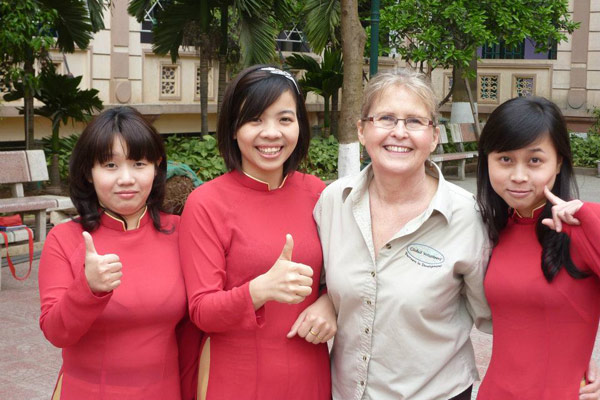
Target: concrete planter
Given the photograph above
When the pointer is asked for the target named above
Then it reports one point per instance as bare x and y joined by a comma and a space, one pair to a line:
598, 167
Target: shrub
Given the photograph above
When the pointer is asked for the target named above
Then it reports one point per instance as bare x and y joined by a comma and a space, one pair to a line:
200, 154
66, 145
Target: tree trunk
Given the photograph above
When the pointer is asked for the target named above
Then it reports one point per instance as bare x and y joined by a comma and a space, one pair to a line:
28, 105
54, 170
222, 56
353, 45
326, 120
461, 106
334, 113
204, 82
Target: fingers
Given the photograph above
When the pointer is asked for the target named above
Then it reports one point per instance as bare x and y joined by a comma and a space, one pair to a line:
552, 197
288, 248
89, 244
549, 222
315, 330
294, 329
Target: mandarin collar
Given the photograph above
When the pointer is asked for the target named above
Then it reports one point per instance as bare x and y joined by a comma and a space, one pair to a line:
115, 223
527, 219
256, 184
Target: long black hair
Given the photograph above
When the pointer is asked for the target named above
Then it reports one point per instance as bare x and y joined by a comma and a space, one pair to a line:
515, 124
95, 146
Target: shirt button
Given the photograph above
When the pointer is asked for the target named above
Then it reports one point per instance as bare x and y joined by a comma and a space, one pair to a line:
367, 331
388, 246
368, 302
373, 274
362, 383
364, 358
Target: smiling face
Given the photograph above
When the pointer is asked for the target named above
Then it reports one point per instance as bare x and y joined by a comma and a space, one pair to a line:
519, 176
268, 141
398, 150
123, 185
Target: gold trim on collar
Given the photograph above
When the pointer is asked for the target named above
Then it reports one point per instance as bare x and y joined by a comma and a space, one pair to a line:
266, 183
532, 211
117, 218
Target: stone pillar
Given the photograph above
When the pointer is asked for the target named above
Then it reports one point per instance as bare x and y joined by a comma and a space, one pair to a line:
577, 95
120, 86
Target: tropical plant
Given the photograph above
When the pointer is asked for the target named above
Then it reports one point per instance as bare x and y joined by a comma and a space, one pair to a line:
324, 79
208, 20
30, 28
63, 101
446, 34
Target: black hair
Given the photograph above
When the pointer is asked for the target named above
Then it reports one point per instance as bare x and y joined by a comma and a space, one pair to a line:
515, 124
246, 97
95, 146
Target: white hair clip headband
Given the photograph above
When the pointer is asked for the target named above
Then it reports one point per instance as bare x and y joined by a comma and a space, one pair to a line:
277, 71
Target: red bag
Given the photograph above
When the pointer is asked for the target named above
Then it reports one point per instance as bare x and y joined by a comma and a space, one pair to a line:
11, 223
11, 220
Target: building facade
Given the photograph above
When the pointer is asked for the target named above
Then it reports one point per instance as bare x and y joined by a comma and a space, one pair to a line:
121, 65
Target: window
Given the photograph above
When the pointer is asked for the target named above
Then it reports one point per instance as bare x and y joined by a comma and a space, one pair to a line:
292, 40
523, 85
524, 50
488, 86
149, 22
169, 81
501, 51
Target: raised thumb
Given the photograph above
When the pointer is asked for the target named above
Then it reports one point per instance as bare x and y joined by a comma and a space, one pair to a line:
288, 248
89, 244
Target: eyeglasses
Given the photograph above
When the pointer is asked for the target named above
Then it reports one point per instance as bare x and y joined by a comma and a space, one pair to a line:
386, 121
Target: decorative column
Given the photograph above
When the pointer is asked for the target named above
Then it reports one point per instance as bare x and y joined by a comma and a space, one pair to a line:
120, 86
577, 95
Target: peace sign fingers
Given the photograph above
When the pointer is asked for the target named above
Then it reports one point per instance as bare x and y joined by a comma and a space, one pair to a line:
562, 211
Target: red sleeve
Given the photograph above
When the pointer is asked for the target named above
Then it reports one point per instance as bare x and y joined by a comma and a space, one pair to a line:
585, 238
202, 252
68, 306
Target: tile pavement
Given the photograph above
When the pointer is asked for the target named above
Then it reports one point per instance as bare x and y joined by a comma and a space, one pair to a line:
29, 364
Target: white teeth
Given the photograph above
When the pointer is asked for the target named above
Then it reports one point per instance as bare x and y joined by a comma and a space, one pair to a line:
397, 149
269, 150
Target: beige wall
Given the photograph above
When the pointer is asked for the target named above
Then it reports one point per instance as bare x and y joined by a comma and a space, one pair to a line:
126, 71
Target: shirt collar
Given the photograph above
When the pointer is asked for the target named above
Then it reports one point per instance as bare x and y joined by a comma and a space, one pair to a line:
358, 186
113, 222
254, 183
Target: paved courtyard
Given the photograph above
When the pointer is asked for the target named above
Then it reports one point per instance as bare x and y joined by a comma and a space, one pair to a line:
29, 364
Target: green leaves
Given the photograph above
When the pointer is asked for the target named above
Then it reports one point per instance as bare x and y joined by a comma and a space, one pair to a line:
447, 33
322, 158
200, 154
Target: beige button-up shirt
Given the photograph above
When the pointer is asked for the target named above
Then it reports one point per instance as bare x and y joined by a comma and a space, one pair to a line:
403, 318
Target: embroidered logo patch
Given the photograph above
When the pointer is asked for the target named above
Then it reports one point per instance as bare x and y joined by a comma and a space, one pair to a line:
424, 255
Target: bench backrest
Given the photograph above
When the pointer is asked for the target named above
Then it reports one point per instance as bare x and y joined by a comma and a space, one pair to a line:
17, 167
460, 133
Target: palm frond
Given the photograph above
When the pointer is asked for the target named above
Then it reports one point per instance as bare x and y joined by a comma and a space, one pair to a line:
96, 10
73, 26
169, 32
137, 8
322, 18
257, 37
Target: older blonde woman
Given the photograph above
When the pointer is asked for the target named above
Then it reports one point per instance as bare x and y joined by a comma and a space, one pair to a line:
405, 253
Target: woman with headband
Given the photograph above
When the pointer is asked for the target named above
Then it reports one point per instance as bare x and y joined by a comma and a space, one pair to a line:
251, 254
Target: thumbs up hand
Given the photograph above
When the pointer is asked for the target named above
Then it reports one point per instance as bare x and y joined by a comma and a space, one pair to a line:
286, 281
103, 272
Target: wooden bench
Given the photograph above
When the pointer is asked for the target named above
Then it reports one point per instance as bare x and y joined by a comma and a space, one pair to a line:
460, 134
16, 168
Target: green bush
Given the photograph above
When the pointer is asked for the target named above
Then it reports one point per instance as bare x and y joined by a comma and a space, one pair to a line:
200, 154
64, 153
586, 151
322, 158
